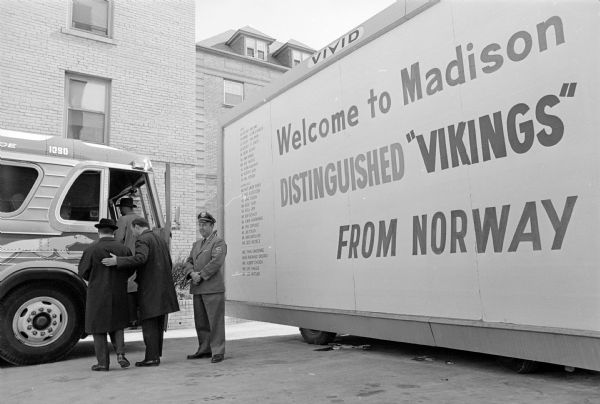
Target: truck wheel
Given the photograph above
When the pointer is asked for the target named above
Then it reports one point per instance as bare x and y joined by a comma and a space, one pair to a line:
317, 337
38, 324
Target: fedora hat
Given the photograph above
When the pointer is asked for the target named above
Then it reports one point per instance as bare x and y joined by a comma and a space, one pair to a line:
126, 202
106, 224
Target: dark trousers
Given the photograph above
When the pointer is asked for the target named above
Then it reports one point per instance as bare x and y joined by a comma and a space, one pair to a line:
101, 345
132, 306
153, 331
209, 317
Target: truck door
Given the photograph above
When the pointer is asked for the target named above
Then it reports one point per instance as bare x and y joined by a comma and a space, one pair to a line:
138, 185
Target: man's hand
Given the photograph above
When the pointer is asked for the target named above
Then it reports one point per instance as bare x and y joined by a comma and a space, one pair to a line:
196, 278
110, 262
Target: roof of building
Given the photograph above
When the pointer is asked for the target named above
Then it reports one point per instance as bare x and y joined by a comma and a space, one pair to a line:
292, 43
249, 31
221, 43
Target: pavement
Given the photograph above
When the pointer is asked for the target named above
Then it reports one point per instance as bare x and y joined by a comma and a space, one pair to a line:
268, 363
235, 329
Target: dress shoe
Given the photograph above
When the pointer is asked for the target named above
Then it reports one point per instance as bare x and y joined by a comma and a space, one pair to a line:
99, 368
154, 362
123, 361
200, 355
217, 358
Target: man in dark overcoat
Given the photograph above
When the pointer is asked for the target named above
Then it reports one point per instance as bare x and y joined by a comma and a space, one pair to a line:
125, 235
106, 302
156, 290
204, 267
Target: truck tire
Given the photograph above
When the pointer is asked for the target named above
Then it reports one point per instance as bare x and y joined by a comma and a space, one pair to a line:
317, 337
38, 324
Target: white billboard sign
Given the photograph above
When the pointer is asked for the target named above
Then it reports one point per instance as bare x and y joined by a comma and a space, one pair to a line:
448, 168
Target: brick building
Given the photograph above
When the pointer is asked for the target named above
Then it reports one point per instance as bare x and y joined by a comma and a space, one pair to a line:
230, 67
123, 74
114, 72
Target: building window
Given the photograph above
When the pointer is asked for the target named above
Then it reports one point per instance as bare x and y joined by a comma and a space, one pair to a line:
298, 57
256, 48
261, 50
93, 16
233, 92
87, 108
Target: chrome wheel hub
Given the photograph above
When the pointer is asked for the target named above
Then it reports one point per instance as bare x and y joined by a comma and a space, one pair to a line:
40, 321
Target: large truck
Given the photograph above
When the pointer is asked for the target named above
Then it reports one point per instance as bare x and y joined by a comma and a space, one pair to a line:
431, 177
52, 192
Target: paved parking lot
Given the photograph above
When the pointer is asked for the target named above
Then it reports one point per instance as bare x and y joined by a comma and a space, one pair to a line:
268, 363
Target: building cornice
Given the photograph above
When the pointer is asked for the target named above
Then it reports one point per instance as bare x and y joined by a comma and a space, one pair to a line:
230, 75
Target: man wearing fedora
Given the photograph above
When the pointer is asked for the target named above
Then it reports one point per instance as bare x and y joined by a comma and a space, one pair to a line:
106, 301
157, 295
124, 235
204, 267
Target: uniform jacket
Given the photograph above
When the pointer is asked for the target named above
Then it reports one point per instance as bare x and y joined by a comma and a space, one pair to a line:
125, 235
106, 301
207, 258
152, 261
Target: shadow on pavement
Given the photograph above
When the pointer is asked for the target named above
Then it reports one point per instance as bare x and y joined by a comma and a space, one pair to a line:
450, 357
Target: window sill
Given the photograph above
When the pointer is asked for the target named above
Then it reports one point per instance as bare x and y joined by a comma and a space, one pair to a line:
87, 35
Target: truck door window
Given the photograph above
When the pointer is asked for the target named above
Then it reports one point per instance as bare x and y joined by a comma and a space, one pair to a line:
136, 185
16, 182
83, 199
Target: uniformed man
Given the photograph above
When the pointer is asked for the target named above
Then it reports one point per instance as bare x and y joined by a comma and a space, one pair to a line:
204, 267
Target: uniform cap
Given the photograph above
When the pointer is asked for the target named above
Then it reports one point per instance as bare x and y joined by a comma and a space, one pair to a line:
206, 217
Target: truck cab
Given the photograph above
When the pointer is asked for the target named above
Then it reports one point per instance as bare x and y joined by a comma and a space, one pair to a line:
52, 192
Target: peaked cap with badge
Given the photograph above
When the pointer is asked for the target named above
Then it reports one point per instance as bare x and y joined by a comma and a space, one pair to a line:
206, 217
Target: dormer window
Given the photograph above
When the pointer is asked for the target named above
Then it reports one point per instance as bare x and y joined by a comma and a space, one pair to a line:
298, 57
255, 48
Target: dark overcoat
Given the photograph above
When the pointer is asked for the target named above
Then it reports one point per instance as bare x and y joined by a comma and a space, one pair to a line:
152, 261
106, 302
125, 235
